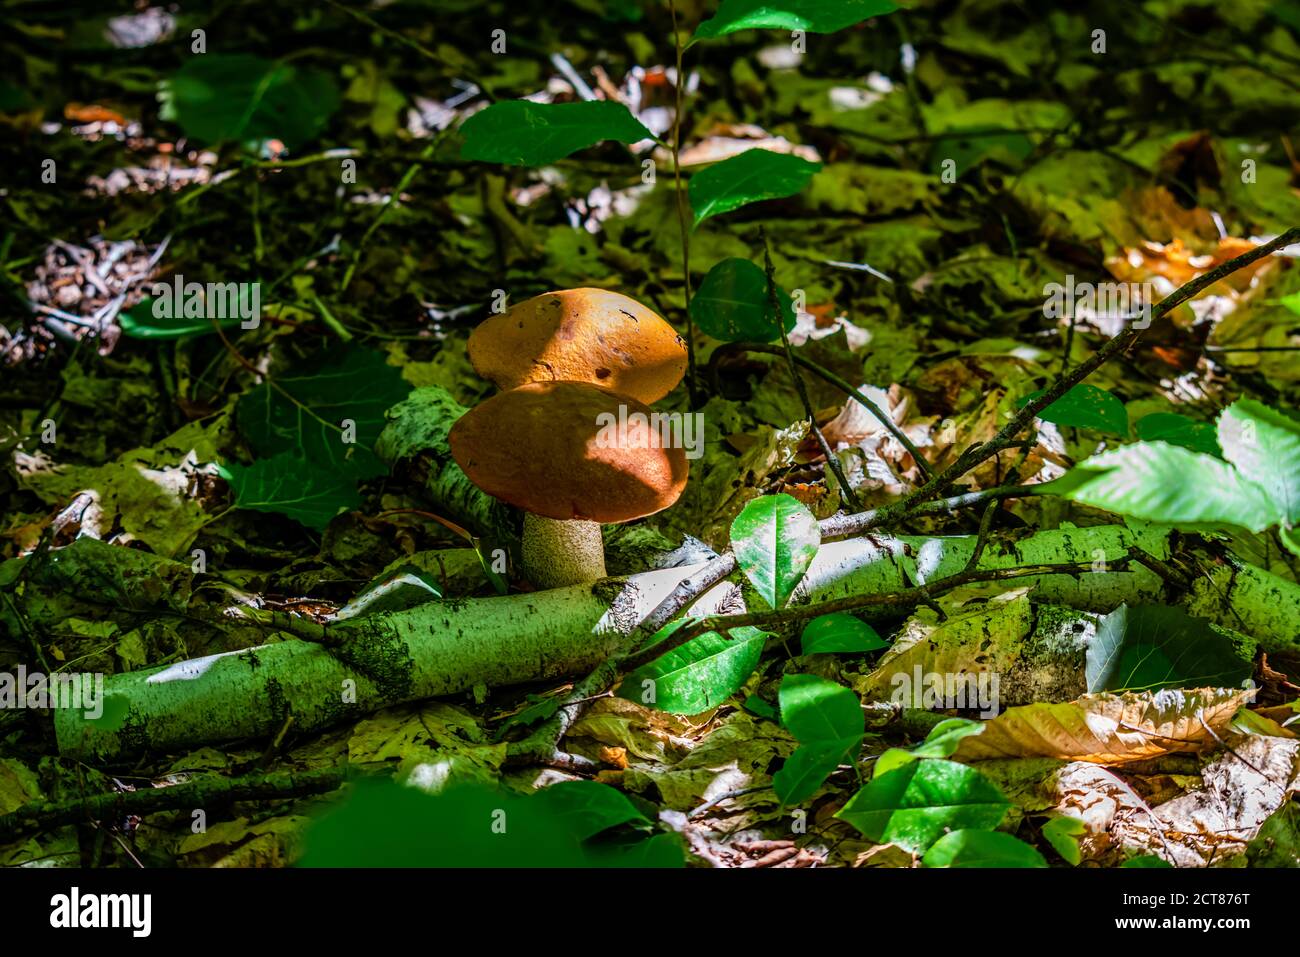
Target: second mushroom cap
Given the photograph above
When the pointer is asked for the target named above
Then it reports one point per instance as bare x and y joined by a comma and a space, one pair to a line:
548, 448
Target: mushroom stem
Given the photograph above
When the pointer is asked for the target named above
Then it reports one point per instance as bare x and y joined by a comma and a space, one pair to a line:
557, 553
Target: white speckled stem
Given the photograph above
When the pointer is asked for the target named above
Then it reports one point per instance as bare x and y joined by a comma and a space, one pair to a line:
558, 553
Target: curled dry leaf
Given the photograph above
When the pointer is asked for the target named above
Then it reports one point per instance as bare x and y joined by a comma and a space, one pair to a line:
1100, 800
1243, 788
1109, 728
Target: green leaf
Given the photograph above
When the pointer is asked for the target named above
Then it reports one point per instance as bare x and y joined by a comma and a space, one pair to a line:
1063, 834
1264, 445
1148, 860
749, 177
1291, 302
382, 823
1085, 407
287, 484
1153, 646
839, 632
1181, 431
968, 848
1160, 482
522, 133
941, 742
237, 97
775, 539
699, 675
913, 806
809, 767
139, 322
757, 706
814, 16
826, 718
732, 304
587, 808
814, 709
304, 411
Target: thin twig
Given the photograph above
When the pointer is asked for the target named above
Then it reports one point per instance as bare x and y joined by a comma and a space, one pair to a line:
832, 460
1008, 434
905, 596
691, 384
840, 383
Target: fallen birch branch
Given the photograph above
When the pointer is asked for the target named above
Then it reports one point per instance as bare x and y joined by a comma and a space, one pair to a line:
449, 647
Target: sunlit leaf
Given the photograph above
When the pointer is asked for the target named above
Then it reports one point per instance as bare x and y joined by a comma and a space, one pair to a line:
913, 806
699, 675
751, 176
814, 16
775, 539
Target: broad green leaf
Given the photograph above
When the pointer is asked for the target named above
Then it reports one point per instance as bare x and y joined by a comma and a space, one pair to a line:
1264, 445
1291, 302
382, 823
756, 705
1181, 431
814, 709
839, 632
307, 410
809, 767
522, 133
699, 675
139, 322
941, 742
913, 806
1085, 407
288, 484
732, 304
814, 16
1152, 646
1160, 482
775, 539
1148, 860
751, 176
1063, 833
587, 808
970, 848
221, 97
826, 719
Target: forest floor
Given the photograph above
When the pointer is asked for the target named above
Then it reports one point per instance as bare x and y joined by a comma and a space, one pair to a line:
971, 156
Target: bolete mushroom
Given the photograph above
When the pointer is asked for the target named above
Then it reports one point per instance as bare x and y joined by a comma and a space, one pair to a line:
581, 335
573, 456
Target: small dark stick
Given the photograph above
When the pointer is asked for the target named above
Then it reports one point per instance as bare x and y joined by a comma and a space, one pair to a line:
832, 462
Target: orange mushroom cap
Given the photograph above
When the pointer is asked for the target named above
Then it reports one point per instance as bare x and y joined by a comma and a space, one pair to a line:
581, 335
547, 448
